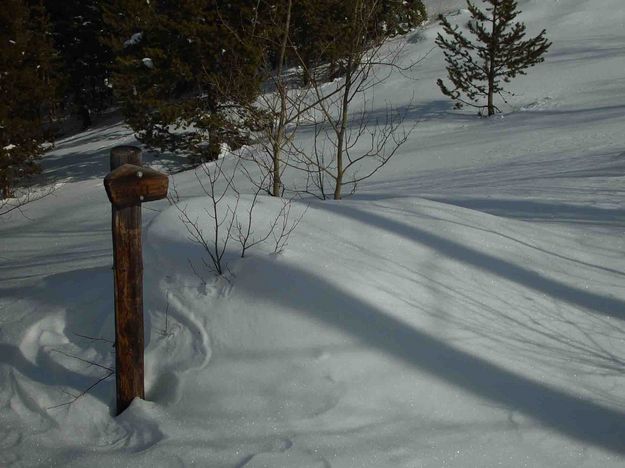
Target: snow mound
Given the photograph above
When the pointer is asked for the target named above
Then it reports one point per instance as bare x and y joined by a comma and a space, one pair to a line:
464, 308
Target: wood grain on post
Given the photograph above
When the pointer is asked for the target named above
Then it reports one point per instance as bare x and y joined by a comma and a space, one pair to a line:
127, 186
131, 185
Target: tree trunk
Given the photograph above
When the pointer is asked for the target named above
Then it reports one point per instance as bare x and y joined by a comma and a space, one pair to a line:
282, 91
339, 185
491, 105
491, 64
306, 75
277, 183
340, 137
7, 192
214, 143
332, 70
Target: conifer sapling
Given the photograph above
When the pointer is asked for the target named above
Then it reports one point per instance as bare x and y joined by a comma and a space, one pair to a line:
478, 68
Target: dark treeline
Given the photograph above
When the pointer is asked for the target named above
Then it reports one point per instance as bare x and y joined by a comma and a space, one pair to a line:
166, 64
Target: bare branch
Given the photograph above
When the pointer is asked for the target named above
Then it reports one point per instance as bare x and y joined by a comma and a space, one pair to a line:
8, 205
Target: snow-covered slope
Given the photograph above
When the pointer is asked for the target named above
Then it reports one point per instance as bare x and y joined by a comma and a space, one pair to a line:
465, 308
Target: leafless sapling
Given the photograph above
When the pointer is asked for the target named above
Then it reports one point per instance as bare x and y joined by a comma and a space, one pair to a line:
339, 152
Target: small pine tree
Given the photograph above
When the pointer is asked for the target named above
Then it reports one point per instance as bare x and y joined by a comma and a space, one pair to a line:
27, 89
479, 69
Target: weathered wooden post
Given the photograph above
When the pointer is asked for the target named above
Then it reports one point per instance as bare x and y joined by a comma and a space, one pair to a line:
127, 186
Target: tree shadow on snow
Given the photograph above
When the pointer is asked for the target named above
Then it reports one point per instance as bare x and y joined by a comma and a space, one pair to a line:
564, 55
593, 302
520, 188
85, 156
312, 295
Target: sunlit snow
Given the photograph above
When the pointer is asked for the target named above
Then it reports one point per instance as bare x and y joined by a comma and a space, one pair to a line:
465, 308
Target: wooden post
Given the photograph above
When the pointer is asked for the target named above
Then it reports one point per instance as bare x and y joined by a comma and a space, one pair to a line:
127, 186
121, 155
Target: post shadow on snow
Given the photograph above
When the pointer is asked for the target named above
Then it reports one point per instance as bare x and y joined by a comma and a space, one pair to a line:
553, 288
314, 296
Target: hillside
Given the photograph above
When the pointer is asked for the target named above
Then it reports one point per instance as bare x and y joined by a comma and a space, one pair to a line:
464, 308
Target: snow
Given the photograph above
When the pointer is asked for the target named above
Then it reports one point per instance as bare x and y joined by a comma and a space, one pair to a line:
134, 39
464, 308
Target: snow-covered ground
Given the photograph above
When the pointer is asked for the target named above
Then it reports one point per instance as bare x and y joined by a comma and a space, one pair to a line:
465, 308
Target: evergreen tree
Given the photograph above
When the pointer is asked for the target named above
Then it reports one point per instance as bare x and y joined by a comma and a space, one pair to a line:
478, 69
317, 29
181, 71
78, 29
320, 27
27, 89
400, 16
